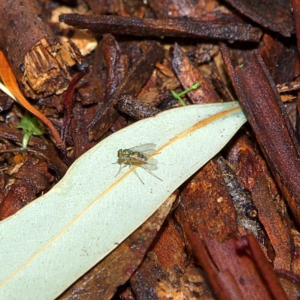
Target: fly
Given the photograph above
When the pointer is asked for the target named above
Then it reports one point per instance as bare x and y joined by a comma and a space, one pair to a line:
138, 157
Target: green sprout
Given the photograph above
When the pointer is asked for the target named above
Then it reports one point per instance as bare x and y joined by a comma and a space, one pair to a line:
184, 92
30, 126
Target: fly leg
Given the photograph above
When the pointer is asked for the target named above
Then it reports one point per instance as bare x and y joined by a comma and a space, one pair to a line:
149, 171
135, 172
122, 164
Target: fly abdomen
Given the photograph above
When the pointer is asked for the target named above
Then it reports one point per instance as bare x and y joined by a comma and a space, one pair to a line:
139, 155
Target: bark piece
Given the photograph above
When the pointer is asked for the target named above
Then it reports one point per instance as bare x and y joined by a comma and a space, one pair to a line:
39, 59
290, 282
278, 233
189, 75
254, 176
206, 204
45, 68
261, 102
220, 85
232, 276
182, 8
5, 103
296, 252
38, 147
287, 87
272, 14
135, 108
116, 65
114, 7
69, 104
208, 184
31, 180
93, 87
248, 245
246, 212
296, 11
280, 58
82, 116
103, 279
237, 269
193, 28
167, 272
132, 84
248, 164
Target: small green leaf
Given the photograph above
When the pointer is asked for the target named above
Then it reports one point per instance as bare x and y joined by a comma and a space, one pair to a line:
55, 239
30, 126
184, 92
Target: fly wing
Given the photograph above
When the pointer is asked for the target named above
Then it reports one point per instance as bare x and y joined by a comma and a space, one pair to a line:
144, 148
151, 164
122, 160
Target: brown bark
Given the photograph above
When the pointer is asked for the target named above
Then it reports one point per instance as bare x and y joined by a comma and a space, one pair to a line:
193, 28
209, 210
274, 15
258, 95
131, 84
38, 58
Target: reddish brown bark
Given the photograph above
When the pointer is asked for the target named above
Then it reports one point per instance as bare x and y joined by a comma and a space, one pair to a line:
131, 85
275, 15
259, 97
39, 59
223, 199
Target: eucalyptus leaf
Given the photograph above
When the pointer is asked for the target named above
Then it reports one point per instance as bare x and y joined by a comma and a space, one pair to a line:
54, 240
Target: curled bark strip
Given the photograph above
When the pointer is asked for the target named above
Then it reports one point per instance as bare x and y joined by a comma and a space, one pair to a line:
38, 58
10, 81
164, 27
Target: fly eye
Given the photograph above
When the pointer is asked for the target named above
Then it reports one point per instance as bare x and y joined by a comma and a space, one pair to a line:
120, 154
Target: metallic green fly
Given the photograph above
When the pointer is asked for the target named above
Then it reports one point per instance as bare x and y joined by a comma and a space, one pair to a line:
138, 157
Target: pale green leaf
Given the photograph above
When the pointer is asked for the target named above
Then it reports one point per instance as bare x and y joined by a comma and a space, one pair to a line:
5, 90
51, 242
